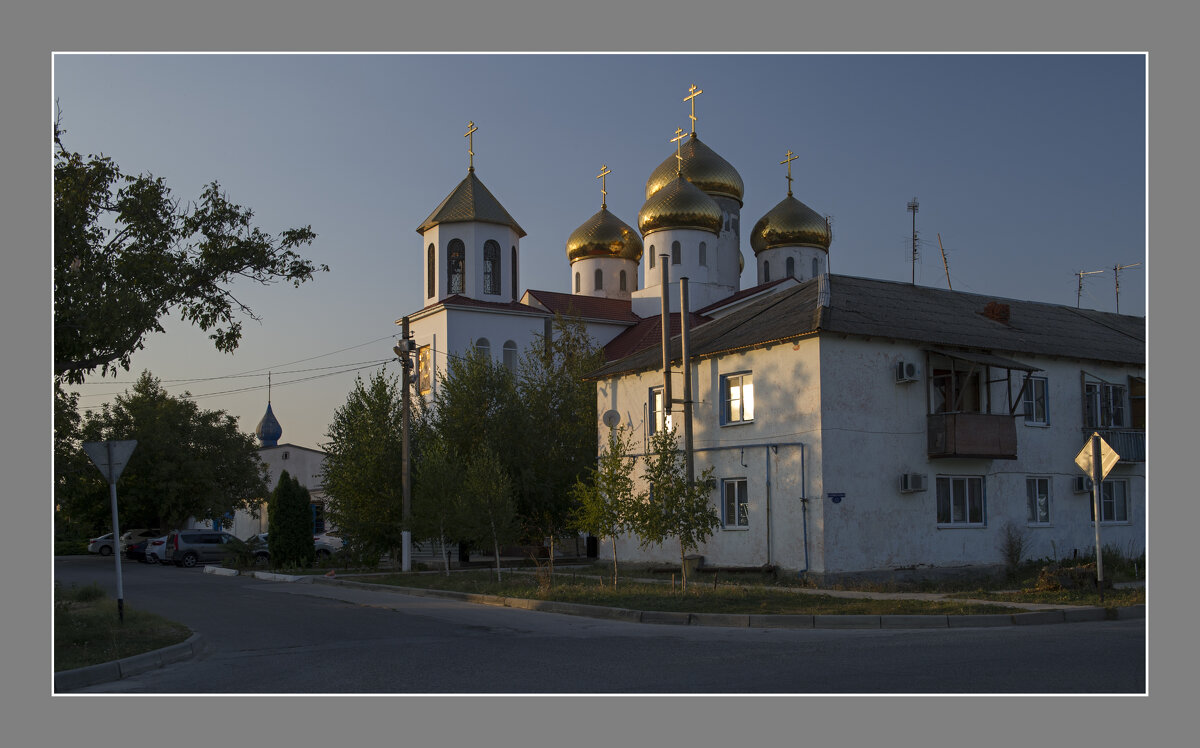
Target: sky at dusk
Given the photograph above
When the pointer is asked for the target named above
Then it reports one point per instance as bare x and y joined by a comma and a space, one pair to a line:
1030, 167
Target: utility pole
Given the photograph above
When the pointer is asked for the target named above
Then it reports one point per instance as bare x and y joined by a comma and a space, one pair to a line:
403, 352
912, 207
686, 365
663, 259
1117, 279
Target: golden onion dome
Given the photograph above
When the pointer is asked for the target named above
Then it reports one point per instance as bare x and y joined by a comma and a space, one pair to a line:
702, 167
791, 223
680, 205
604, 235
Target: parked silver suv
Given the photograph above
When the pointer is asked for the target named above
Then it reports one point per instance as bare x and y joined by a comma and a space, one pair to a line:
190, 547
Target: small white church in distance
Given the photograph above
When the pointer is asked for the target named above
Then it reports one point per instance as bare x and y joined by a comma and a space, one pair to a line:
856, 427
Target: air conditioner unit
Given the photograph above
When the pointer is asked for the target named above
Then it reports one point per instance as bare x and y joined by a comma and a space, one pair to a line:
912, 482
906, 371
1081, 484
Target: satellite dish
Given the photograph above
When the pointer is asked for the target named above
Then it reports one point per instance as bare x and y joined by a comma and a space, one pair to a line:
611, 418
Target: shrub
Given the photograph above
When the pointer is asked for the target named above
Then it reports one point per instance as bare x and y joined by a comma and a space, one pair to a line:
1013, 544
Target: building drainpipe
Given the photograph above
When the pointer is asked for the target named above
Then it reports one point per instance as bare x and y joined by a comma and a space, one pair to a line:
804, 511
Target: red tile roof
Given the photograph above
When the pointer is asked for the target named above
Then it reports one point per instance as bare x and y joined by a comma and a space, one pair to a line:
587, 307
647, 333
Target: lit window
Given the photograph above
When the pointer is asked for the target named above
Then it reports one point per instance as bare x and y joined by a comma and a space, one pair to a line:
1036, 410
960, 500
656, 409
735, 508
737, 391
1037, 496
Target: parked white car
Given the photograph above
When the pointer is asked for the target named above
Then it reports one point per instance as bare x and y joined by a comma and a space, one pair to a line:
328, 543
102, 545
156, 550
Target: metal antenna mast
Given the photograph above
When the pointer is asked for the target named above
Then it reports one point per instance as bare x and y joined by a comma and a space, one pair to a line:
1117, 279
1079, 291
944, 263
912, 207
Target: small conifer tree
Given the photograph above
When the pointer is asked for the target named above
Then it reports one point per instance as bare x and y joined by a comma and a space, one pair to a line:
289, 524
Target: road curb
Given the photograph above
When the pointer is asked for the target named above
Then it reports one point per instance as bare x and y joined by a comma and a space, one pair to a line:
220, 571
781, 621
105, 672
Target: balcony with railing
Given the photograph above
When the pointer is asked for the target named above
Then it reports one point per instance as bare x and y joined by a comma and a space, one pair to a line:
985, 435
1130, 444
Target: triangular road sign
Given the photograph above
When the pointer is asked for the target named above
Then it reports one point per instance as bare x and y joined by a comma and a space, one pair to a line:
99, 453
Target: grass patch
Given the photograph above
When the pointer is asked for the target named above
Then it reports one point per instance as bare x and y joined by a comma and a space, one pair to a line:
87, 630
1114, 598
699, 598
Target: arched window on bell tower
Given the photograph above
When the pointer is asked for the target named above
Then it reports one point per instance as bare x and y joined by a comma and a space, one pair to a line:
491, 268
599, 279
456, 270
431, 255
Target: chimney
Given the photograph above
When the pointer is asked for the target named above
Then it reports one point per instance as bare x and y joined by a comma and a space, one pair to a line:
997, 311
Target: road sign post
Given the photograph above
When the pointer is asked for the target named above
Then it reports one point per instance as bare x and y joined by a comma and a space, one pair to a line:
1097, 459
110, 458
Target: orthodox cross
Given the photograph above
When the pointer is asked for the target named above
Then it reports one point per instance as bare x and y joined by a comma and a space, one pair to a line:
790, 158
268, 388
678, 152
604, 171
470, 135
692, 98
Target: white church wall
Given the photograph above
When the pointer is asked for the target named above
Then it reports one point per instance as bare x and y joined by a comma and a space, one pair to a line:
474, 236
706, 284
583, 277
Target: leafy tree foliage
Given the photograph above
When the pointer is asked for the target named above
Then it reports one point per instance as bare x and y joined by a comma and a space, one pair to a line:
558, 420
605, 503
363, 466
127, 252
486, 511
289, 521
673, 507
188, 462
437, 481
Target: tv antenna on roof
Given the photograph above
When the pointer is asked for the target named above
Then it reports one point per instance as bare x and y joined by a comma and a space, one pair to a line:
912, 207
1079, 291
1117, 280
944, 263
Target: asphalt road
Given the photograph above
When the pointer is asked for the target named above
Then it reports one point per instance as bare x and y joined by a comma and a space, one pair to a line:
270, 637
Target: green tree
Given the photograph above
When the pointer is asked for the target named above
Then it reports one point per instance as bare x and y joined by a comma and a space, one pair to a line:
605, 503
189, 463
673, 507
557, 416
363, 466
127, 252
289, 524
437, 481
486, 511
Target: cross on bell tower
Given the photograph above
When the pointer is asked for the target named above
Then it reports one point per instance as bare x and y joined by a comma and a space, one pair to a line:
470, 135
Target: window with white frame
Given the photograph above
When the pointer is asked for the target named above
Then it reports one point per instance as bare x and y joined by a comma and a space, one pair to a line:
510, 356
1037, 499
737, 398
960, 501
1037, 409
1114, 502
655, 405
1104, 405
736, 507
